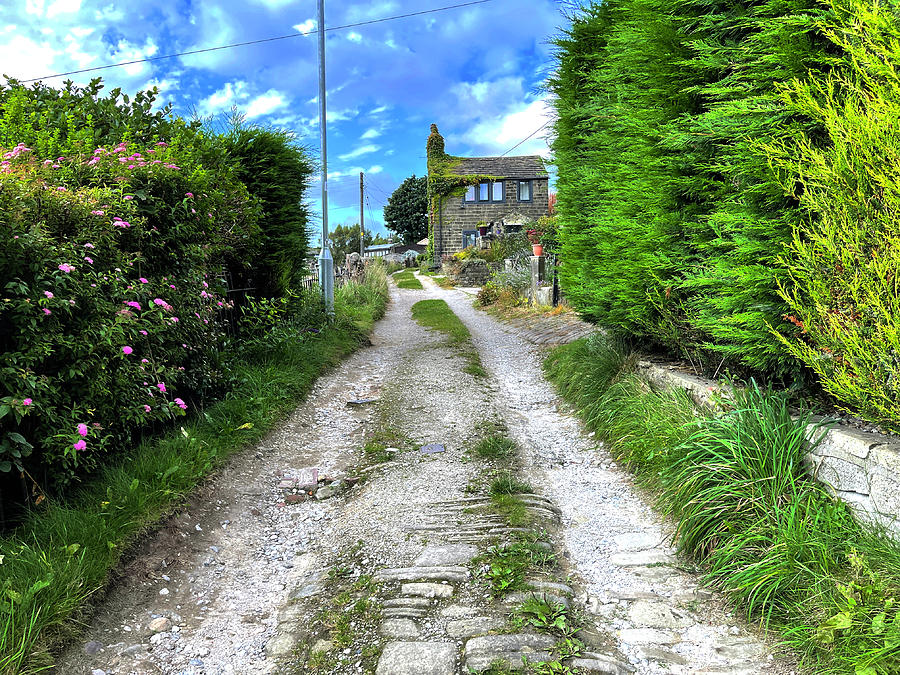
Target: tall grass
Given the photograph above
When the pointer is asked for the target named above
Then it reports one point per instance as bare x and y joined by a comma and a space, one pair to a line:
63, 554
771, 537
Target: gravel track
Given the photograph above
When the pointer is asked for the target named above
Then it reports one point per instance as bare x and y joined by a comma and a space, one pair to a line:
220, 576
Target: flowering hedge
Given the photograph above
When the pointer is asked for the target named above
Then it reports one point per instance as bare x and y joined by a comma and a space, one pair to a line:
112, 295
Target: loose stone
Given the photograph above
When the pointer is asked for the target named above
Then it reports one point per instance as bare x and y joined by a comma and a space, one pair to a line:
427, 590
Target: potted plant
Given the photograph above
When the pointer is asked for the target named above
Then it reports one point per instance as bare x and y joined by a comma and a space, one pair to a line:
534, 236
482, 228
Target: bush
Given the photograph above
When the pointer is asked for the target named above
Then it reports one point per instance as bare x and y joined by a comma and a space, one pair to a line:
844, 302
727, 186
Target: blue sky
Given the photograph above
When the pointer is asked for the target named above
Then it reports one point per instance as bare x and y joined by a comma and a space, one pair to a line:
474, 71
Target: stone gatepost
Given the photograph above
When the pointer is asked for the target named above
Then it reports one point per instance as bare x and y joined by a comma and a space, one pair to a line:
538, 266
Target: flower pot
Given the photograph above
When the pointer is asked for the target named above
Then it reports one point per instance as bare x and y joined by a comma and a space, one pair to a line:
482, 231
537, 249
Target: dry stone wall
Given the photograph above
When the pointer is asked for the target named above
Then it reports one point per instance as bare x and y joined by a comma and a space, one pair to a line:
859, 467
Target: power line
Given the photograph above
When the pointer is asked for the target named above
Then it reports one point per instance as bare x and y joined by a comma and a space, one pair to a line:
260, 41
531, 135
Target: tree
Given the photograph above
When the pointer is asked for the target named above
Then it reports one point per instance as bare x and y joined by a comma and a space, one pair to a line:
345, 239
406, 212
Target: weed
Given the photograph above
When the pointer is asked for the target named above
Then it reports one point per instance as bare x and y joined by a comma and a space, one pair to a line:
504, 566
551, 617
507, 484
513, 509
496, 447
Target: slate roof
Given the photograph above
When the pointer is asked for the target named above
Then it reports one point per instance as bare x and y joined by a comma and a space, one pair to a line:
527, 166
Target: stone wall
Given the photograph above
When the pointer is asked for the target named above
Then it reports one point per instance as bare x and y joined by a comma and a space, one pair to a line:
458, 216
860, 468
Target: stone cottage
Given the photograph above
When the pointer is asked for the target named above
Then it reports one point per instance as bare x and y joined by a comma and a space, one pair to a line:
496, 193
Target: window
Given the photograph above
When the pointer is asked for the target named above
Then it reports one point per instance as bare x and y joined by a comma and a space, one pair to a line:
524, 190
468, 238
489, 191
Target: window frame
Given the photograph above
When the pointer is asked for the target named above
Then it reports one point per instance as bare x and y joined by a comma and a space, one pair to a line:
469, 233
530, 191
475, 191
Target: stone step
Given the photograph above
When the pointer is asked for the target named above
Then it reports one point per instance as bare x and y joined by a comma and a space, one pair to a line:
451, 574
403, 613
600, 663
426, 590
517, 598
417, 658
476, 625
549, 586
407, 602
400, 629
446, 555
482, 652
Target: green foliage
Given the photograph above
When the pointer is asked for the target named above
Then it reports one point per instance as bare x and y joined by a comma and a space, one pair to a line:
672, 221
345, 240
770, 536
843, 261
497, 446
277, 172
506, 483
64, 551
505, 566
406, 279
406, 211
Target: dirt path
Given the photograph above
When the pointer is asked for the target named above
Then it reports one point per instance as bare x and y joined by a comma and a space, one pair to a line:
256, 578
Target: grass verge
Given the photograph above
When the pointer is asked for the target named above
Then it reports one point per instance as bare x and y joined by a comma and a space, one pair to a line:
406, 279
766, 533
437, 315
62, 556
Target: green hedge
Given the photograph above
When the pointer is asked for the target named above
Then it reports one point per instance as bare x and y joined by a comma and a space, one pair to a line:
708, 153
116, 241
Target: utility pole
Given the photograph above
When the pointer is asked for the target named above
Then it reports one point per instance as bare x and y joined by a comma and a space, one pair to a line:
326, 262
362, 229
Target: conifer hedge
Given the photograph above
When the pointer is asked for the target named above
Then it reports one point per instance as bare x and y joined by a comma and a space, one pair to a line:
728, 180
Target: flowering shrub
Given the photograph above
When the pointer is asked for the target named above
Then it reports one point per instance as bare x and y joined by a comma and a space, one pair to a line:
112, 298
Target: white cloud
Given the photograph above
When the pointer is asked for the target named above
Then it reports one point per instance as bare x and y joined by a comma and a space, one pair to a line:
266, 103
24, 59
496, 135
223, 99
359, 152
63, 7
353, 36
306, 27
375, 169
127, 51
371, 133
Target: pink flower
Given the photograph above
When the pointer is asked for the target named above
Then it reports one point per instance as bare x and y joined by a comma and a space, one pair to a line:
98, 212
181, 404
162, 387
82, 429
89, 245
132, 303
89, 261
128, 198
49, 295
61, 189
171, 285
26, 401
188, 194
162, 145
184, 345
65, 267
159, 302
143, 332
80, 445
127, 350
147, 408
144, 361
47, 311
174, 319
143, 280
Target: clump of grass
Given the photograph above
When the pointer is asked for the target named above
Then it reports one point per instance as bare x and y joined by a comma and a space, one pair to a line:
496, 446
406, 279
506, 483
504, 567
513, 509
437, 315
765, 532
